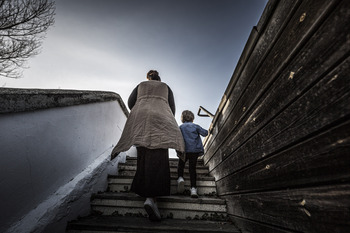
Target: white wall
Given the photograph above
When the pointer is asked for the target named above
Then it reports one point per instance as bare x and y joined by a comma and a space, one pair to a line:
50, 154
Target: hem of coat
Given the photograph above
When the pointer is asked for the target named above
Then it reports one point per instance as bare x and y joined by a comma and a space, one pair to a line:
116, 151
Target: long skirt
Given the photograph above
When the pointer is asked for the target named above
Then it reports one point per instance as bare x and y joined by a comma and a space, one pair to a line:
152, 176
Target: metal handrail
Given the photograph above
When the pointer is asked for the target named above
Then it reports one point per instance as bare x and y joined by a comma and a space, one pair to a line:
208, 114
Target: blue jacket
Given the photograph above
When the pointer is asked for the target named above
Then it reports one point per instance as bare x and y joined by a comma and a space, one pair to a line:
191, 133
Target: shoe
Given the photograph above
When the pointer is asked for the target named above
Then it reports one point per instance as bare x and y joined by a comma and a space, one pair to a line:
194, 192
180, 185
152, 210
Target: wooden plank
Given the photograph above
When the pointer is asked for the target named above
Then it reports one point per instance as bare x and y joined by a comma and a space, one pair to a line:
314, 209
248, 48
321, 159
266, 15
281, 16
307, 67
291, 40
314, 112
250, 226
289, 43
253, 37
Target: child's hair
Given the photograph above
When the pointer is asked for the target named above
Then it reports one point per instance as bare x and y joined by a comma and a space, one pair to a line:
187, 116
153, 75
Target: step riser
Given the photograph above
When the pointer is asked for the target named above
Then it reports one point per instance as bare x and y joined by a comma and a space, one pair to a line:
97, 231
162, 205
108, 231
173, 182
171, 163
167, 213
173, 189
120, 210
122, 168
111, 231
172, 174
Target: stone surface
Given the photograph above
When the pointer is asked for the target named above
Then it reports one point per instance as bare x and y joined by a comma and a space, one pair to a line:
21, 100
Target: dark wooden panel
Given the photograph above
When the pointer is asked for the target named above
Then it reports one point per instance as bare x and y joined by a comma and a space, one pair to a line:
319, 108
281, 16
249, 226
289, 43
308, 67
315, 209
316, 110
266, 15
321, 159
253, 37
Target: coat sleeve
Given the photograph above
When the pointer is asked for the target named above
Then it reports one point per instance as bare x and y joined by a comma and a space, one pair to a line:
132, 98
171, 100
202, 131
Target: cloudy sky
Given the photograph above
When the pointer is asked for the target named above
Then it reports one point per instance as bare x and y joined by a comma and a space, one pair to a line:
110, 45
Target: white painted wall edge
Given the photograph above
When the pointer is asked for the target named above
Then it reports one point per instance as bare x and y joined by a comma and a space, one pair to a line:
72, 199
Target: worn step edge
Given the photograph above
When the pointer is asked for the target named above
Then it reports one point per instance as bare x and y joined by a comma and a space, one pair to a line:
165, 213
128, 224
128, 158
174, 198
201, 191
201, 181
172, 174
172, 168
172, 177
163, 206
171, 164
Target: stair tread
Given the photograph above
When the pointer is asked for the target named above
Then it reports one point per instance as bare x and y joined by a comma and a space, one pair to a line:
170, 159
141, 224
199, 178
173, 198
198, 167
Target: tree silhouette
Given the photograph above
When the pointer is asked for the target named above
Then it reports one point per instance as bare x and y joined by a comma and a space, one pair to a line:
23, 24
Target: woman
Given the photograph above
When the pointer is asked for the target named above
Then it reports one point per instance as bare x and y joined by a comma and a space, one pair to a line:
152, 128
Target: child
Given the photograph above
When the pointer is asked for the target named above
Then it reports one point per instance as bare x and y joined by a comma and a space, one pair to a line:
193, 149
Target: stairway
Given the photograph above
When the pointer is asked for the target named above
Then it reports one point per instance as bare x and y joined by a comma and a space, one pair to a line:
119, 210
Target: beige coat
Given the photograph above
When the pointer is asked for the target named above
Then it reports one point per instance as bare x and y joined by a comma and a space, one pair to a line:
151, 123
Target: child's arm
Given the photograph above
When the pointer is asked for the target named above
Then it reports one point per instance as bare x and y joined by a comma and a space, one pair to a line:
201, 131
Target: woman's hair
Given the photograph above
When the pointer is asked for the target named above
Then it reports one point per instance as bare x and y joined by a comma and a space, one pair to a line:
187, 116
153, 75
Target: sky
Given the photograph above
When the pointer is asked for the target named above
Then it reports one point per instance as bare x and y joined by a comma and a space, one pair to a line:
110, 45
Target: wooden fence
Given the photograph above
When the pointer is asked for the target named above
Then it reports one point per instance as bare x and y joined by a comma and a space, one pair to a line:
279, 145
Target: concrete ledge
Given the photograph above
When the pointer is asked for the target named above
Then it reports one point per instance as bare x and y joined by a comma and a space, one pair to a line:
21, 100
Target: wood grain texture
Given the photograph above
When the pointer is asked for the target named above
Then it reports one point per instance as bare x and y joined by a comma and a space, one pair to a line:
248, 89
324, 104
314, 209
264, 43
307, 67
279, 145
249, 226
321, 159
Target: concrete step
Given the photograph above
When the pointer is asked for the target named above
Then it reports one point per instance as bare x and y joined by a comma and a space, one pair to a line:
205, 185
173, 173
177, 207
96, 224
127, 169
172, 161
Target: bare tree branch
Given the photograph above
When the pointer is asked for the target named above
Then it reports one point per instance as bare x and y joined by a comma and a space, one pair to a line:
23, 24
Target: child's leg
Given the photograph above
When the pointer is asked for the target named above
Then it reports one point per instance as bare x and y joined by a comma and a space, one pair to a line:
180, 174
180, 168
192, 168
